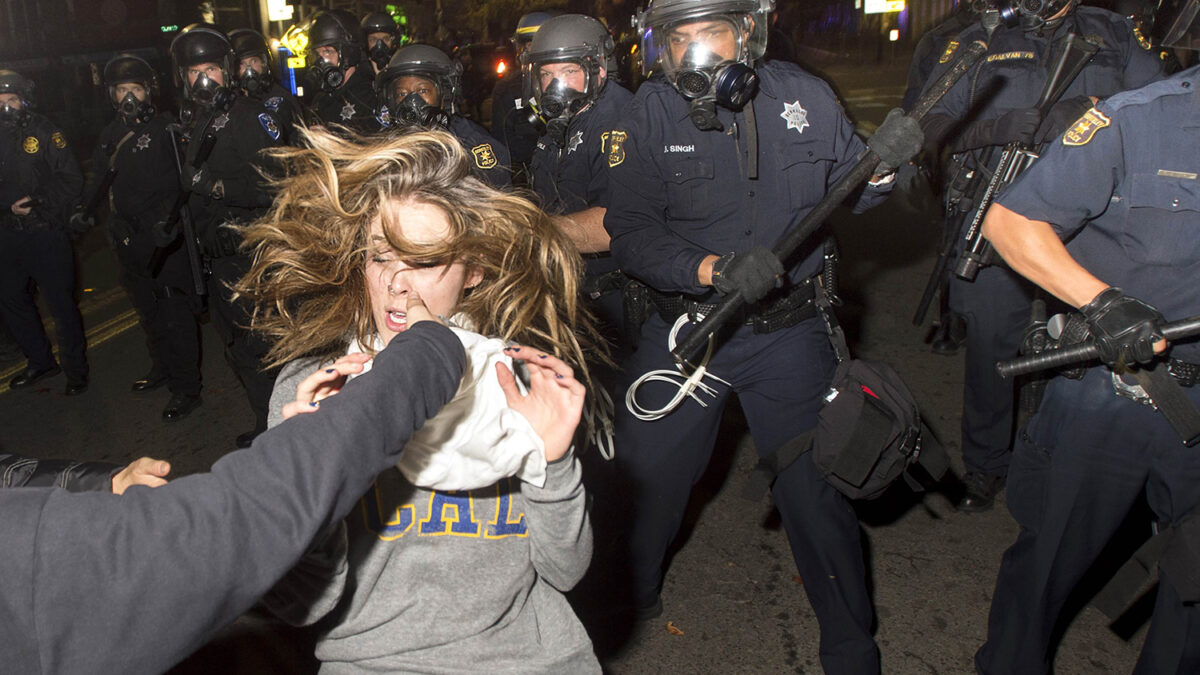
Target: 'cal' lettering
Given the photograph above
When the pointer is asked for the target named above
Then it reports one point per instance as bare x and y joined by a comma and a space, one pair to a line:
506, 524
396, 526
461, 523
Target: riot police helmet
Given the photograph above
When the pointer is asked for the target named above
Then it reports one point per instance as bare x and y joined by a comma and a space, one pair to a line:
379, 22
565, 65
1183, 29
198, 44
528, 25
337, 29
387, 37
422, 61
692, 42
131, 69
247, 44
12, 82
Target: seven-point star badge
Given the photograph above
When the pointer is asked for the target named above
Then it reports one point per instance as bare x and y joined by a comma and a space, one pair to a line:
347, 111
797, 117
575, 141
143, 142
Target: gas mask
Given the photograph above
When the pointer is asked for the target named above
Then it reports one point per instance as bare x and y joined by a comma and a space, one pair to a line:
13, 117
254, 83
729, 84
413, 111
380, 54
559, 104
1034, 14
207, 93
134, 111
326, 76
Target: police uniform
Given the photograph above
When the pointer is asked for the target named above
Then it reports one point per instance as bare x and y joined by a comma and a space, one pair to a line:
575, 178
680, 195
286, 110
144, 189
36, 161
241, 132
353, 105
510, 120
489, 157
996, 304
1121, 186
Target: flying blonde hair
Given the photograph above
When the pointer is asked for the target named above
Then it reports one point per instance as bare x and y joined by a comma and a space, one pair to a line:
307, 281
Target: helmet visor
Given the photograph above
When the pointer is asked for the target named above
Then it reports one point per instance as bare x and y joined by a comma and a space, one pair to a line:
1184, 32
703, 42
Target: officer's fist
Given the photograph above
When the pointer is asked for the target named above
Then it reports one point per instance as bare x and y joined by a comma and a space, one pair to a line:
201, 182
1018, 125
1123, 329
753, 273
896, 141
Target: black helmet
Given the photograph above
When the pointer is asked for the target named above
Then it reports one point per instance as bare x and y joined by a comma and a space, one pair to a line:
1182, 21
430, 63
528, 25
12, 82
124, 69
200, 43
247, 43
339, 29
381, 52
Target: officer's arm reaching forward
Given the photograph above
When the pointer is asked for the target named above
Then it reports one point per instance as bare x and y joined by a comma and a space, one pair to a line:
1032, 248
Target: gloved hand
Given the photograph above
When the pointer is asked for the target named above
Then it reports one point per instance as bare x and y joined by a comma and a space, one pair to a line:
80, 222
165, 231
1061, 116
202, 182
1019, 125
754, 273
1124, 329
896, 141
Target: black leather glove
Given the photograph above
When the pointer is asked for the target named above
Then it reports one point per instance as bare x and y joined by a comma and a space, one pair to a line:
1061, 116
80, 222
754, 273
1019, 125
202, 182
1124, 329
896, 141
165, 231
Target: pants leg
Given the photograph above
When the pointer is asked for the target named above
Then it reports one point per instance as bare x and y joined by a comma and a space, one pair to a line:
996, 307
1078, 468
781, 391
661, 460
244, 350
16, 302
54, 273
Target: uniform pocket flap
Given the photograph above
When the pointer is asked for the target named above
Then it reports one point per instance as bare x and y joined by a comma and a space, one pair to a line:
1167, 192
690, 168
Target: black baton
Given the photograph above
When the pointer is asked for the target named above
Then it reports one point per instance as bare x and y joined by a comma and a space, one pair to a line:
1085, 351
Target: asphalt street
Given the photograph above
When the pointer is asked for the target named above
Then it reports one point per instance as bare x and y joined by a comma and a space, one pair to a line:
733, 601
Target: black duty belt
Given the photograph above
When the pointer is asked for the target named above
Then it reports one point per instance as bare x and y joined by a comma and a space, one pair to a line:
766, 317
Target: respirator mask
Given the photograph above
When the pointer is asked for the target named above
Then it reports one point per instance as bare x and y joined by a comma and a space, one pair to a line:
380, 54
558, 105
208, 94
254, 82
13, 117
134, 111
729, 84
413, 111
325, 76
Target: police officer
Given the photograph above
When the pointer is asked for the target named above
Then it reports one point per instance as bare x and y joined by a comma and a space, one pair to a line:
693, 209
420, 89
566, 79
340, 71
999, 95
382, 37
256, 78
221, 173
513, 123
40, 184
134, 163
1119, 187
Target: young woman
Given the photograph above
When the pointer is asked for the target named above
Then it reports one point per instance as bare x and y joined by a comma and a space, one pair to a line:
456, 561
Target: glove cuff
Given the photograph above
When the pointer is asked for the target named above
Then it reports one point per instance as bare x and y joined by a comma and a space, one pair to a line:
718, 270
1101, 302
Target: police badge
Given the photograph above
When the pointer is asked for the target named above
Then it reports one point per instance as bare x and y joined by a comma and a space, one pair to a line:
268, 123
30, 145
616, 147
347, 111
485, 157
1082, 131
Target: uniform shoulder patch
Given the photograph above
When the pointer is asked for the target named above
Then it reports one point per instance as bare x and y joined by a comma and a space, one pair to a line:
273, 103
485, 156
58, 140
268, 123
951, 47
30, 145
616, 147
1082, 131
1141, 38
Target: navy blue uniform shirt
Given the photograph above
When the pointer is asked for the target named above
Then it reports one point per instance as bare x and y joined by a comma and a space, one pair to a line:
1012, 73
147, 180
489, 157
575, 177
35, 161
353, 105
680, 194
1123, 186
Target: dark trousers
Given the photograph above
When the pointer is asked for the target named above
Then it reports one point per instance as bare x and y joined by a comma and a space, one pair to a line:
244, 350
780, 379
168, 316
45, 256
996, 307
1078, 468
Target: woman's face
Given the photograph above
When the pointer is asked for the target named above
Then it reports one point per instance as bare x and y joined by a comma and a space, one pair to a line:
390, 279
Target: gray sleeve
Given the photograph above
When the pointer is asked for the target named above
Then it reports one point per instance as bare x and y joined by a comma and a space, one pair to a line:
285, 387
161, 570
312, 588
561, 534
